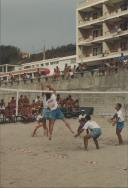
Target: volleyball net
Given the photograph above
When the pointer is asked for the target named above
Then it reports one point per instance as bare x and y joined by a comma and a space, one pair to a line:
20, 102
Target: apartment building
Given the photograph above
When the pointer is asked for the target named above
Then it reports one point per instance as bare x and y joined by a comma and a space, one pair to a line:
102, 30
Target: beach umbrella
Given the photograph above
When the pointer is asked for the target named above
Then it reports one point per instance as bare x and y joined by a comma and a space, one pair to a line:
45, 71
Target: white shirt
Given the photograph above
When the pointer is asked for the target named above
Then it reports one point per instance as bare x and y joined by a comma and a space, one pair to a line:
2, 107
52, 102
82, 116
37, 100
44, 101
39, 117
91, 125
120, 116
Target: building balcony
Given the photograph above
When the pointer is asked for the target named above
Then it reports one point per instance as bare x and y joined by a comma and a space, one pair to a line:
87, 4
108, 55
108, 36
115, 15
115, 35
88, 23
90, 40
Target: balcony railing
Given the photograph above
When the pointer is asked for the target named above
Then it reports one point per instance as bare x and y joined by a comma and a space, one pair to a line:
116, 13
106, 16
89, 3
90, 21
117, 33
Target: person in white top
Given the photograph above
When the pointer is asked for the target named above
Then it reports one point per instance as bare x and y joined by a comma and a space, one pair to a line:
90, 130
45, 114
55, 111
118, 120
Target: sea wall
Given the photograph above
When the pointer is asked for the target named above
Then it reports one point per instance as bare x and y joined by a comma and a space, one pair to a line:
103, 103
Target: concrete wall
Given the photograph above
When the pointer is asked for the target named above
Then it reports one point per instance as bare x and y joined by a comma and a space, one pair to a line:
113, 82
103, 103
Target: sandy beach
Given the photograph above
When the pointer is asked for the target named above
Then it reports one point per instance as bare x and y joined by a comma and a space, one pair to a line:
62, 162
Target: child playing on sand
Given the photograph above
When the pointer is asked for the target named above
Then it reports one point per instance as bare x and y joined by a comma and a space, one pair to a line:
40, 123
81, 121
118, 119
90, 130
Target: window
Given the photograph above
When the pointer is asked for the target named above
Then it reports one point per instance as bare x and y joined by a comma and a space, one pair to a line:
95, 15
124, 6
87, 16
123, 45
97, 33
97, 50
46, 64
42, 65
124, 25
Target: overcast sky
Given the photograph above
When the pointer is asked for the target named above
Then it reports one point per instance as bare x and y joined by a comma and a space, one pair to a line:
28, 24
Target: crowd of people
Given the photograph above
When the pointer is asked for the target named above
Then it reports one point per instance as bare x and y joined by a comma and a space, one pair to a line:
106, 68
28, 110
23, 77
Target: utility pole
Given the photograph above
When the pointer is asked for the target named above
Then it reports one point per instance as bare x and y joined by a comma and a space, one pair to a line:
44, 53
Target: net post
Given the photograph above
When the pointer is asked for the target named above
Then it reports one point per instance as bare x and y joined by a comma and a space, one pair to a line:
17, 98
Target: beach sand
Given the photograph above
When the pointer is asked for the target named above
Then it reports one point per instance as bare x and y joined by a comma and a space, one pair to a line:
62, 162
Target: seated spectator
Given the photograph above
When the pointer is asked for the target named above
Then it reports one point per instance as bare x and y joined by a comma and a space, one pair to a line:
76, 105
69, 103
13, 103
28, 116
20, 104
38, 103
58, 98
71, 73
37, 100
2, 107
20, 101
25, 101
59, 101
33, 106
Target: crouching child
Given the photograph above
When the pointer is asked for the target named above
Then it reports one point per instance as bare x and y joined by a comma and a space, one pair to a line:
90, 130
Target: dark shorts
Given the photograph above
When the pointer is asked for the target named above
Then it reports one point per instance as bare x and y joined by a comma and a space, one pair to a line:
120, 125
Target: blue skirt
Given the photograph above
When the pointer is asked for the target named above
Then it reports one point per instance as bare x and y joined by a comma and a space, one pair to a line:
46, 113
57, 114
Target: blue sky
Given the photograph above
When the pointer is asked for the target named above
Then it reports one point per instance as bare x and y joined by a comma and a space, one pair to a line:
28, 24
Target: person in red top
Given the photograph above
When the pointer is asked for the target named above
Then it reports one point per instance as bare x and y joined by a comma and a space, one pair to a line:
57, 73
